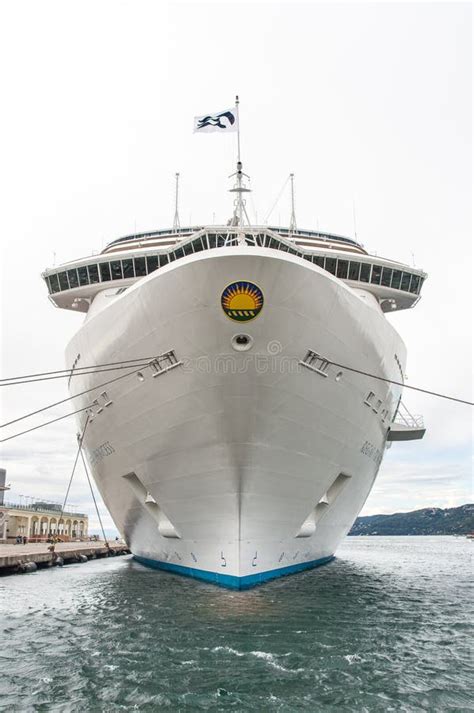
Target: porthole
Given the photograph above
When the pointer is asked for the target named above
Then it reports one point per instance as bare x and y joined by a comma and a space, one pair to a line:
242, 342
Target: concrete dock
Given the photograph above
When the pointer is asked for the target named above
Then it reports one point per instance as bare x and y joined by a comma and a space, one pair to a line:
15, 559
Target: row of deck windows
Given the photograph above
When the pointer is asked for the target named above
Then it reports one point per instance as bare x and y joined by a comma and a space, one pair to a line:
185, 232
140, 266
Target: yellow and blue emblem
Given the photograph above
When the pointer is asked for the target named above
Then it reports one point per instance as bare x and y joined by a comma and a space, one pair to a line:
242, 301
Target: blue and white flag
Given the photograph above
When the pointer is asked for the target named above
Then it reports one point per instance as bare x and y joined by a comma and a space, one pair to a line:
222, 121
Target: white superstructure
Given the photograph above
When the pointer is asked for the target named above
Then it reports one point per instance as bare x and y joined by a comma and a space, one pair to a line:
236, 446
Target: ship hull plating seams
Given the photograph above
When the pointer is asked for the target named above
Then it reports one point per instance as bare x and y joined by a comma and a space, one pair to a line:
236, 466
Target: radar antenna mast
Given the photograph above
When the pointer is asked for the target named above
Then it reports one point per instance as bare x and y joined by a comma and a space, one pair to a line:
239, 188
293, 216
354, 218
176, 225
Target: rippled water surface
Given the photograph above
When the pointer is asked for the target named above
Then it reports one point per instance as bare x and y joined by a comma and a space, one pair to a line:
385, 627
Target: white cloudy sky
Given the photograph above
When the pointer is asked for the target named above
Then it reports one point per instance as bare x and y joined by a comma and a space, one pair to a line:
364, 102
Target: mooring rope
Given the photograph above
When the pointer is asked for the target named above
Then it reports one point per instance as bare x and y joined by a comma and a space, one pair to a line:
55, 539
94, 499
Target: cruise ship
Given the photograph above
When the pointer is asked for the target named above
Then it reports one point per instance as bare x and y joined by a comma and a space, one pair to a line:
236, 388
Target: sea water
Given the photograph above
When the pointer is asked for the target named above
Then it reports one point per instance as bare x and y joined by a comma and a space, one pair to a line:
384, 627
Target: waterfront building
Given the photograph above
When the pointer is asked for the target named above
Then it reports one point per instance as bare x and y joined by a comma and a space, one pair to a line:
38, 521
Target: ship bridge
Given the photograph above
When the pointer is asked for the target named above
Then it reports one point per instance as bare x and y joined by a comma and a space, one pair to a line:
126, 260
166, 238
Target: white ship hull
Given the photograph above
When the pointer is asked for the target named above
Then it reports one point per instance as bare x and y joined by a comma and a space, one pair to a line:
237, 466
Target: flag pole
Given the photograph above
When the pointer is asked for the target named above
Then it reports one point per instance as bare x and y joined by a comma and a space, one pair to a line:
239, 163
238, 127
239, 188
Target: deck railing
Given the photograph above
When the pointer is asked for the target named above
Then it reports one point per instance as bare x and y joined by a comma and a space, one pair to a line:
405, 418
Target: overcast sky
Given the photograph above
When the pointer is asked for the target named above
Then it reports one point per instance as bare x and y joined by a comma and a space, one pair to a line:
365, 103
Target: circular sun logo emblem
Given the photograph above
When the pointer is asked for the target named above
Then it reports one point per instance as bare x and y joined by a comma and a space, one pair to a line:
242, 301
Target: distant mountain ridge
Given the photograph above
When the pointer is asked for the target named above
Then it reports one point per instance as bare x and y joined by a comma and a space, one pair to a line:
429, 521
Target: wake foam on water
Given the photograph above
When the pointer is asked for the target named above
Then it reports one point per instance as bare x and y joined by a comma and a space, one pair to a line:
353, 658
228, 650
269, 658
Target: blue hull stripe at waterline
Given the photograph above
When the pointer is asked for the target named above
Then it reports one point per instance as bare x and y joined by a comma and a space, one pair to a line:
229, 580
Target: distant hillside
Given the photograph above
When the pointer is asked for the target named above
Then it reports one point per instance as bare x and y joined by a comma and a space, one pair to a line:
429, 521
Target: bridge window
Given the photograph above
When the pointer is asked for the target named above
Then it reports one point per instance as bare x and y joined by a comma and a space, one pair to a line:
63, 281
127, 267
396, 279
140, 266
354, 270
415, 283
73, 280
405, 281
93, 273
376, 274
330, 265
83, 276
116, 269
198, 245
54, 283
318, 260
342, 268
152, 263
364, 272
105, 272
386, 277
179, 252
188, 249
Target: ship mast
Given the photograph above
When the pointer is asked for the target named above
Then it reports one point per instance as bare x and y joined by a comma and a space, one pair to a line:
239, 188
176, 225
293, 216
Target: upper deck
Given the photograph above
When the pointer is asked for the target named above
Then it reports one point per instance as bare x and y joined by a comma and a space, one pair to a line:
167, 238
73, 285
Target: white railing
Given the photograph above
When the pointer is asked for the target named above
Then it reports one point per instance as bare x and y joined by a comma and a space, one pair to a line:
405, 418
